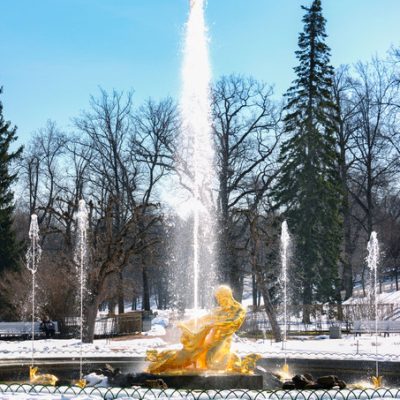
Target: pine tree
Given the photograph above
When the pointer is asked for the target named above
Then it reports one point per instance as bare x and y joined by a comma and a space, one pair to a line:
308, 186
9, 249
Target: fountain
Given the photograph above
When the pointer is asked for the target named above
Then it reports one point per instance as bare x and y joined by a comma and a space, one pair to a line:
206, 340
80, 260
285, 242
206, 350
33, 256
373, 262
196, 156
205, 354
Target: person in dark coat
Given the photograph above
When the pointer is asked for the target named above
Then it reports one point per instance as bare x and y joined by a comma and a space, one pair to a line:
47, 326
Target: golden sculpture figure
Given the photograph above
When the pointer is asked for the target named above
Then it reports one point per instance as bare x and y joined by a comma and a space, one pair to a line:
206, 342
41, 379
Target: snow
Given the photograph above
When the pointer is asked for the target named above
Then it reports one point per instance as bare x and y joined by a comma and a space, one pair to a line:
69, 348
349, 347
94, 379
43, 396
164, 335
321, 347
156, 330
392, 297
65, 393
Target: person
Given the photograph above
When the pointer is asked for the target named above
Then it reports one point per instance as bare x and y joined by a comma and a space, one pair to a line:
47, 326
206, 341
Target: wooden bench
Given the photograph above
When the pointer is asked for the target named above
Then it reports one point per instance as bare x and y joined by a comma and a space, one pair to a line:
23, 330
369, 326
393, 327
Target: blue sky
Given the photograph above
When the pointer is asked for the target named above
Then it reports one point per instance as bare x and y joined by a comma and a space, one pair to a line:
55, 53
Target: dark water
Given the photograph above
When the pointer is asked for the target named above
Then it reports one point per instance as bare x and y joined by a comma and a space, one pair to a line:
65, 370
348, 370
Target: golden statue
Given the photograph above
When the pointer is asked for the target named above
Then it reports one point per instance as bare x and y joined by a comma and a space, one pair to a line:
41, 379
206, 342
377, 381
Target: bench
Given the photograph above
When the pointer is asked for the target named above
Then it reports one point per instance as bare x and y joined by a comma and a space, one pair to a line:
23, 330
369, 326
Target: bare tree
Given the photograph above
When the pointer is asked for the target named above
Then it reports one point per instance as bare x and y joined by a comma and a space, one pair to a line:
260, 242
346, 128
41, 170
246, 132
129, 154
389, 228
375, 162
106, 129
372, 93
155, 125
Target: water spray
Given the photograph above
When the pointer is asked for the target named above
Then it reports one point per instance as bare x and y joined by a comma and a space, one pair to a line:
80, 259
373, 262
196, 137
33, 256
285, 242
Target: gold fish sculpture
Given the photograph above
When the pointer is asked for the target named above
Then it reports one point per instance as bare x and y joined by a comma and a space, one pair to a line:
41, 379
206, 342
376, 381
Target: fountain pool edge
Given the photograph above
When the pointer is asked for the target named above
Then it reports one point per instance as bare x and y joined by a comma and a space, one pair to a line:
350, 371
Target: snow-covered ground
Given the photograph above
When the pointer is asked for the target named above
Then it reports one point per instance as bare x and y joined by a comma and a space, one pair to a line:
391, 297
63, 393
349, 347
165, 336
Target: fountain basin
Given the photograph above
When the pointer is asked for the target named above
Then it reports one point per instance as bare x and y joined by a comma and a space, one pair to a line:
75, 393
67, 369
351, 371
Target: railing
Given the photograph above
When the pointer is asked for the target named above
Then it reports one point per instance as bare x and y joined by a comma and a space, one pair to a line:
116, 325
150, 394
322, 317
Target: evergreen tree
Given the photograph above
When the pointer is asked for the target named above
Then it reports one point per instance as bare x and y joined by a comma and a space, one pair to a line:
9, 249
308, 186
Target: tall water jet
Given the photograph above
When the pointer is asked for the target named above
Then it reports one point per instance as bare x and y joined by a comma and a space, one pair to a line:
373, 262
81, 262
284, 250
33, 256
196, 155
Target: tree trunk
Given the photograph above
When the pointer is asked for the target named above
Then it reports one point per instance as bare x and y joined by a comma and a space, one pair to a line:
339, 303
262, 285
269, 309
363, 280
146, 291
121, 302
231, 273
347, 279
134, 303
111, 307
254, 291
90, 310
236, 283
307, 301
